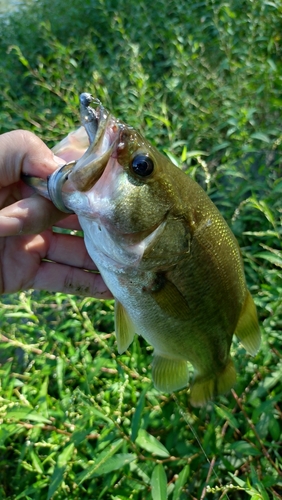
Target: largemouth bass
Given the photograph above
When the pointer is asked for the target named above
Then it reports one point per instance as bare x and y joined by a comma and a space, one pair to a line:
163, 249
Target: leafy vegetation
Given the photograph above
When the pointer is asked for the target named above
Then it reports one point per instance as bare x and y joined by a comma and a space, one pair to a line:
202, 80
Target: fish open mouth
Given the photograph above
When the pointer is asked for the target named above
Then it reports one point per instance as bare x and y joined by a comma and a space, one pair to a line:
103, 133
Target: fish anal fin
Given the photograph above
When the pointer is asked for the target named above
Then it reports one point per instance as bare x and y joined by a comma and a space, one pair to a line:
206, 387
124, 328
169, 374
171, 301
247, 329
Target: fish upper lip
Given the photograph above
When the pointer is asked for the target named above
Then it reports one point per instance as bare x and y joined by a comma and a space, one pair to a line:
103, 131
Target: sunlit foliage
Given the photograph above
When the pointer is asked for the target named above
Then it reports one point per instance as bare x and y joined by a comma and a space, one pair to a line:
202, 80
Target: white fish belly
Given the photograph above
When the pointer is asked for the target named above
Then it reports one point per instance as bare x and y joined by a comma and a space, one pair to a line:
127, 284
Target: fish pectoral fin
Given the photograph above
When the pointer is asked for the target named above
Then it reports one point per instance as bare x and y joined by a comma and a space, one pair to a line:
125, 330
171, 301
205, 387
169, 374
247, 329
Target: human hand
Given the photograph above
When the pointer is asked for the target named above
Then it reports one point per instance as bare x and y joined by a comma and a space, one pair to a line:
31, 254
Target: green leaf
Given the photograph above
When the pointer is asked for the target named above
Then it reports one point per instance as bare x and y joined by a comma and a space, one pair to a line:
79, 435
100, 462
274, 428
33, 490
58, 474
42, 398
174, 159
25, 413
136, 467
237, 480
136, 419
263, 207
114, 463
159, 483
227, 415
180, 482
99, 414
36, 462
218, 147
270, 257
119, 497
260, 137
151, 444
161, 119
244, 448
7, 430
258, 484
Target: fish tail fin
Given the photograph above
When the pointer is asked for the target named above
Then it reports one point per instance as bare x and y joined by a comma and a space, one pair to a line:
169, 374
205, 387
247, 329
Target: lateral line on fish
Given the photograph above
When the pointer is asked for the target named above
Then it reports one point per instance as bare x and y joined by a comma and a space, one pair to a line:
183, 413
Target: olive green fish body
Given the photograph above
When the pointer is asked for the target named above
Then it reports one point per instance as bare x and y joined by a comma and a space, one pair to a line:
167, 255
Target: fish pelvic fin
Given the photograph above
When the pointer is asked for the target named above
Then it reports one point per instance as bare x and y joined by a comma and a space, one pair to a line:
125, 330
169, 374
247, 329
171, 301
206, 387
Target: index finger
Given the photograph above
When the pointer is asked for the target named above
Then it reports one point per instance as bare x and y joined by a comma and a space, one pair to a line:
22, 151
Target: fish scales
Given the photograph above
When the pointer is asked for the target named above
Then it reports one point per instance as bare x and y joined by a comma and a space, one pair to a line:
165, 252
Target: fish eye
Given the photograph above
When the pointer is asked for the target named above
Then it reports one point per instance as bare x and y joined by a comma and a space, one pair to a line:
142, 165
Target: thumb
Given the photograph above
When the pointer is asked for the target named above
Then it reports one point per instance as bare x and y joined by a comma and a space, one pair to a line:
22, 151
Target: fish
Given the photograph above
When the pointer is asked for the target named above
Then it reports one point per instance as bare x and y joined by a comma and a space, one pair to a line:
163, 249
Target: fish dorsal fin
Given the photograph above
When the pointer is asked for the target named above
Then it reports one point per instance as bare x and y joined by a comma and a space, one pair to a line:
206, 387
247, 329
169, 374
124, 328
171, 301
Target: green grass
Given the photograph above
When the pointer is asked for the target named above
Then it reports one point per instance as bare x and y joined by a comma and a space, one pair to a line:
202, 81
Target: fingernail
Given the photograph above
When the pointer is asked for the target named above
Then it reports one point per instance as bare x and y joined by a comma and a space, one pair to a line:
10, 226
59, 160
